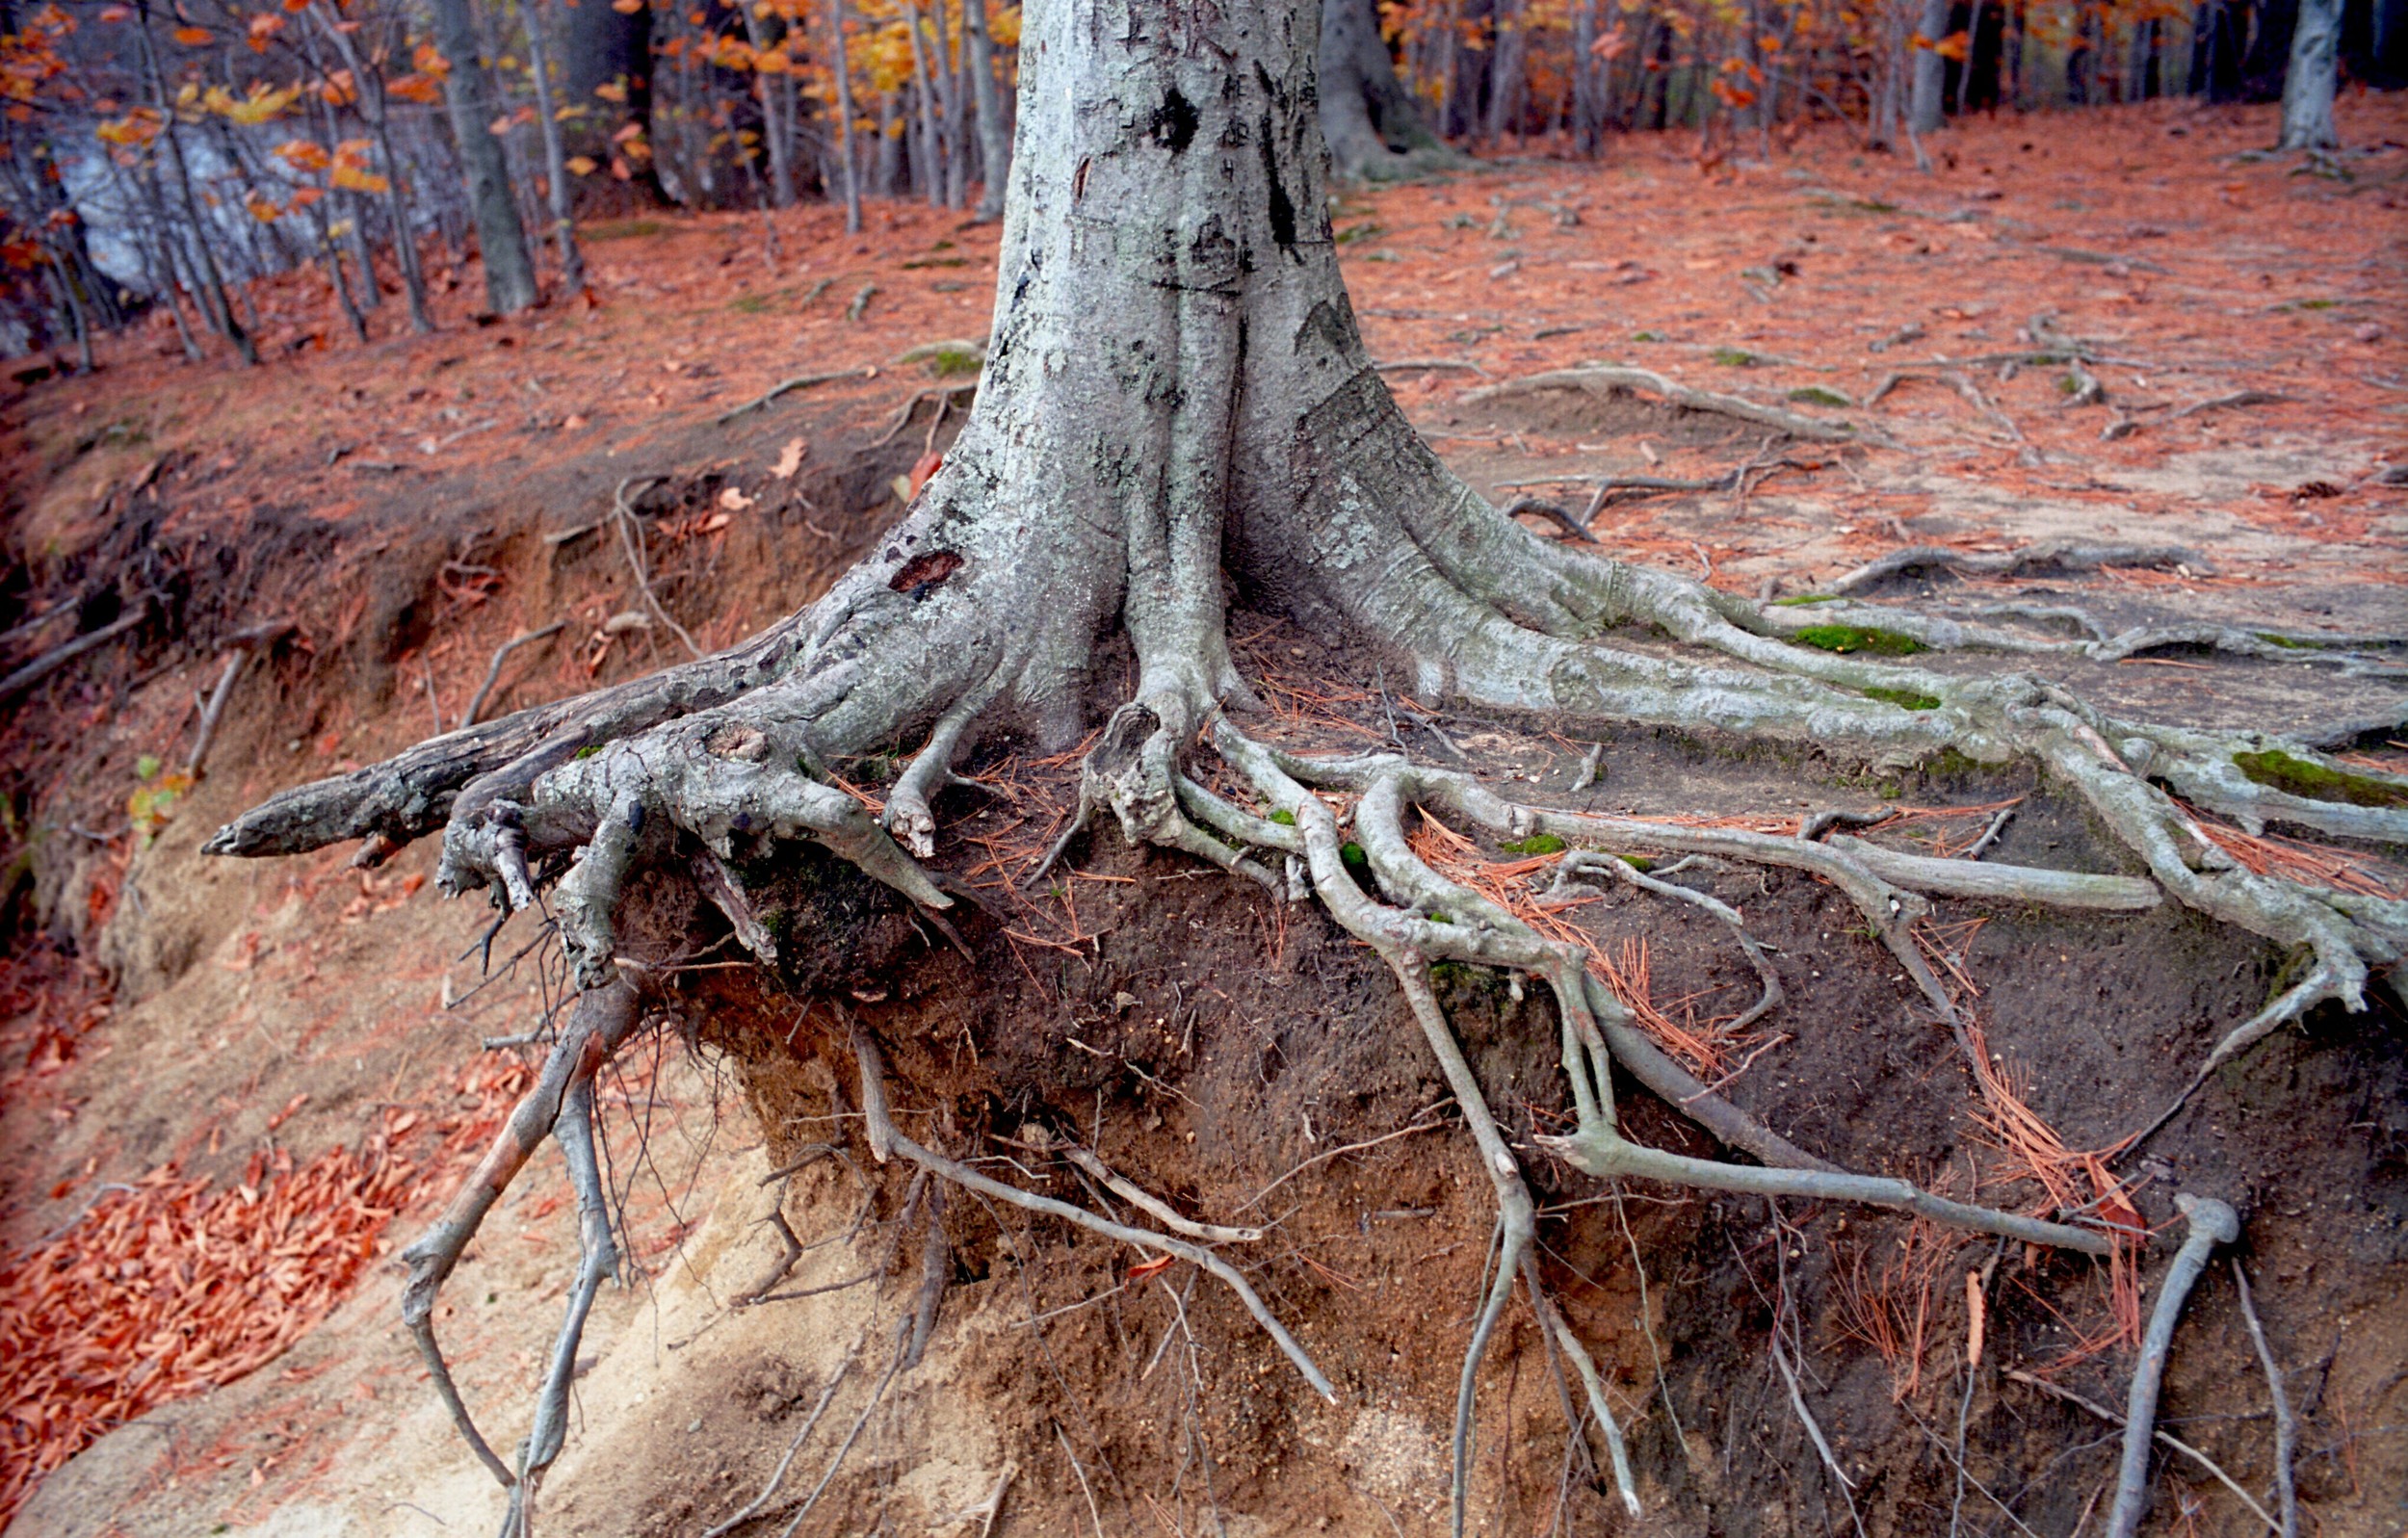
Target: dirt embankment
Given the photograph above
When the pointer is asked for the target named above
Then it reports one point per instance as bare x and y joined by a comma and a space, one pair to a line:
1237, 1059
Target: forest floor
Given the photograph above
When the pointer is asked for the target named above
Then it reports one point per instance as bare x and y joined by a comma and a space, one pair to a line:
229, 1090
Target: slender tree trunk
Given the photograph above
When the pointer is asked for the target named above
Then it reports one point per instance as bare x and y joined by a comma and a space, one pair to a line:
211, 288
926, 159
1508, 73
2308, 85
844, 119
956, 119
776, 129
1923, 113
555, 153
994, 138
509, 277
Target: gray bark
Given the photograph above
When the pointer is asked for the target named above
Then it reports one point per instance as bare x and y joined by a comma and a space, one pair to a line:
1176, 400
2308, 84
1930, 70
555, 153
994, 140
850, 163
509, 276
1374, 127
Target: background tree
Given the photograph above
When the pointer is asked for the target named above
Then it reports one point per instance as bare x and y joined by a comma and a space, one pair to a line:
509, 276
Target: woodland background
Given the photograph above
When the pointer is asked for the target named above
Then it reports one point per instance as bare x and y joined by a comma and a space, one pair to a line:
156, 157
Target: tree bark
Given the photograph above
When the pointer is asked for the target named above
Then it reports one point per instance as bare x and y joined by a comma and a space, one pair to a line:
1374, 127
2308, 85
609, 60
555, 153
994, 138
850, 163
1923, 113
509, 276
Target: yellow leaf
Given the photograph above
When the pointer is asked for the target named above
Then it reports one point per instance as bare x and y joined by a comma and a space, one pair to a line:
263, 209
626, 8
360, 181
580, 164
610, 90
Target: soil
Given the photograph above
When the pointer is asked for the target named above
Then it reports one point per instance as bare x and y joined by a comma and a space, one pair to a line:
1216, 1048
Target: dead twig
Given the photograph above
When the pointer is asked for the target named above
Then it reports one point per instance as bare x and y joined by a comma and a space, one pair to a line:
240, 646
501, 655
58, 656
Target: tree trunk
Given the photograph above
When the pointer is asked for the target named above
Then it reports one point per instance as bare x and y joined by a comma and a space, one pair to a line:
2308, 85
1931, 68
555, 153
610, 87
994, 138
851, 164
509, 277
1373, 126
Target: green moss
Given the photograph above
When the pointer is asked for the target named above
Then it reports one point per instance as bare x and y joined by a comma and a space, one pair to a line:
1732, 357
751, 304
2319, 304
589, 750
622, 230
953, 361
1857, 639
1357, 863
1535, 843
1352, 233
1803, 599
1284, 818
2289, 642
1637, 862
1646, 336
2279, 770
1442, 918
1906, 698
936, 261
1816, 395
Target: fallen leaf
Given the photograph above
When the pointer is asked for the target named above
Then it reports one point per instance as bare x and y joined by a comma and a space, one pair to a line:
734, 500
1153, 1267
789, 459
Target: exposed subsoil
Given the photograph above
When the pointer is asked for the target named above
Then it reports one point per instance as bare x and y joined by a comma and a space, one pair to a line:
1204, 1041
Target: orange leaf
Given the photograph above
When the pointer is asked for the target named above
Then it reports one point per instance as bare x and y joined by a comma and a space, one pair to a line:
195, 36
1151, 1269
923, 468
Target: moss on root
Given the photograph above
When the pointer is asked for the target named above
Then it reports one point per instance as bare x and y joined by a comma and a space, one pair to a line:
2279, 770
1905, 698
1857, 639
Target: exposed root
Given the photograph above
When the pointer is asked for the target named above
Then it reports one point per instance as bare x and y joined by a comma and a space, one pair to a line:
885, 1134
1602, 379
2211, 1223
604, 1020
2053, 555
2286, 1430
